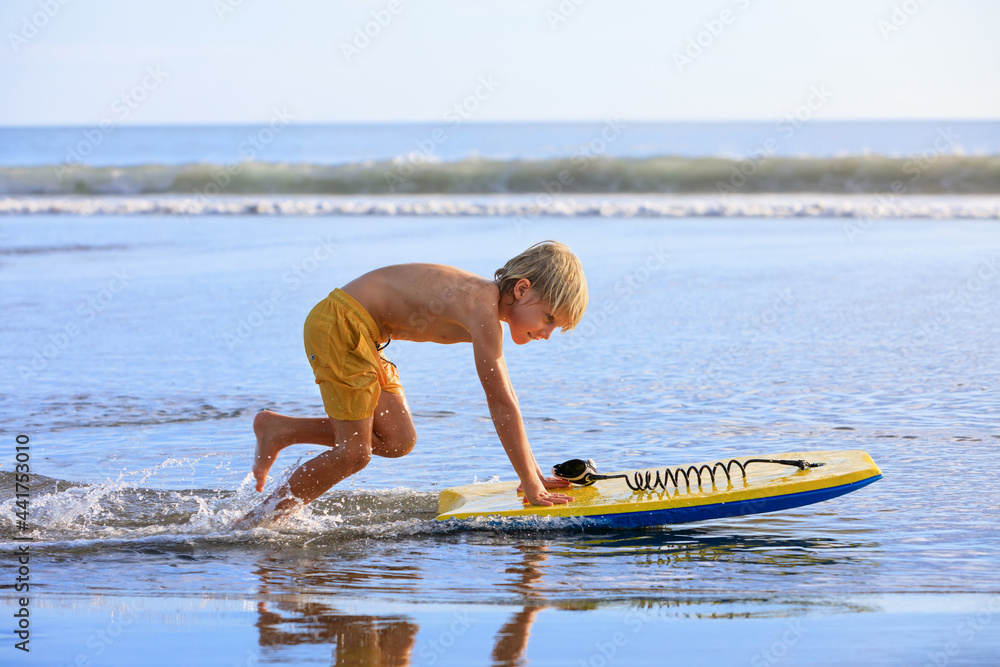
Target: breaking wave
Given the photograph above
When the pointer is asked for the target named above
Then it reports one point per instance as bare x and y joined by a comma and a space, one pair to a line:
933, 173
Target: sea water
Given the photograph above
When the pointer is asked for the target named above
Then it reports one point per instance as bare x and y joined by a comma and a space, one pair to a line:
753, 291
137, 349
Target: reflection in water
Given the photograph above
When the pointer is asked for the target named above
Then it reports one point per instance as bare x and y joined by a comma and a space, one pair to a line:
672, 555
512, 638
655, 570
376, 641
288, 616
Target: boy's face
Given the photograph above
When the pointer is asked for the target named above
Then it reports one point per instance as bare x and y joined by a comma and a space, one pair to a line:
532, 319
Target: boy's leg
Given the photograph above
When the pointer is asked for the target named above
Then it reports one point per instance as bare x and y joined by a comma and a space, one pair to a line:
275, 432
391, 428
389, 432
350, 451
393, 432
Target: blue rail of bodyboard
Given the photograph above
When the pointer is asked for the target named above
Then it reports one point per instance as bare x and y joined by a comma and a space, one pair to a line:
722, 510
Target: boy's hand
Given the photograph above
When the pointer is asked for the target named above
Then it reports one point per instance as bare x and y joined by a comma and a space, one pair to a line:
539, 496
545, 498
550, 483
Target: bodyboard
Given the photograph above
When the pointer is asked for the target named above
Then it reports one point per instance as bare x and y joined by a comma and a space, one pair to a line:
767, 487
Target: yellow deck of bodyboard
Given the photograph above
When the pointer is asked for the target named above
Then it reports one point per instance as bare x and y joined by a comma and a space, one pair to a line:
767, 487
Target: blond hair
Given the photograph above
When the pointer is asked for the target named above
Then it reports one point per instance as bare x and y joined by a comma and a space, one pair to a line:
555, 274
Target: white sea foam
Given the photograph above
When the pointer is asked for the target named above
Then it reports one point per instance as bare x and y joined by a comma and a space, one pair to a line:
525, 208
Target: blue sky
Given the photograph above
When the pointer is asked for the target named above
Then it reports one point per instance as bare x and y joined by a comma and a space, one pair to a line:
70, 62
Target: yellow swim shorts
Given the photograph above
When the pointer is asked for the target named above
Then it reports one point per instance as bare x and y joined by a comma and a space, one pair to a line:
341, 341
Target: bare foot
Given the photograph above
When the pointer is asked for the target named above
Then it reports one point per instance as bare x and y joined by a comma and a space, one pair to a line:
278, 506
265, 427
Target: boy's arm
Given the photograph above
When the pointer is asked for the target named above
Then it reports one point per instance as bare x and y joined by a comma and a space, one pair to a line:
487, 346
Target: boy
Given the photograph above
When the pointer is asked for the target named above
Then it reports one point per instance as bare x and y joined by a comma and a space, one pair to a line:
537, 291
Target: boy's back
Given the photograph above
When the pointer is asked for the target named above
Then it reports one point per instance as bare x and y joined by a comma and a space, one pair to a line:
426, 302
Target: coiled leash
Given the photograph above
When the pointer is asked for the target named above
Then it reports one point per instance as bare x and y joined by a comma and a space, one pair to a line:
584, 473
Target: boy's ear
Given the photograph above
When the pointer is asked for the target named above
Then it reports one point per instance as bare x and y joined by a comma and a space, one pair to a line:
521, 288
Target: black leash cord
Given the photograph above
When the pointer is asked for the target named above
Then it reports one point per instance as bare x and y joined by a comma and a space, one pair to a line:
647, 482
639, 481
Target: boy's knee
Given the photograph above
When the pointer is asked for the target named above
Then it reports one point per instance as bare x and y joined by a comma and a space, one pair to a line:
405, 446
356, 457
409, 442
400, 444
361, 457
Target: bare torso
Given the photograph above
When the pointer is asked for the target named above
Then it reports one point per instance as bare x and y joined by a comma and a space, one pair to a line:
442, 304
426, 302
